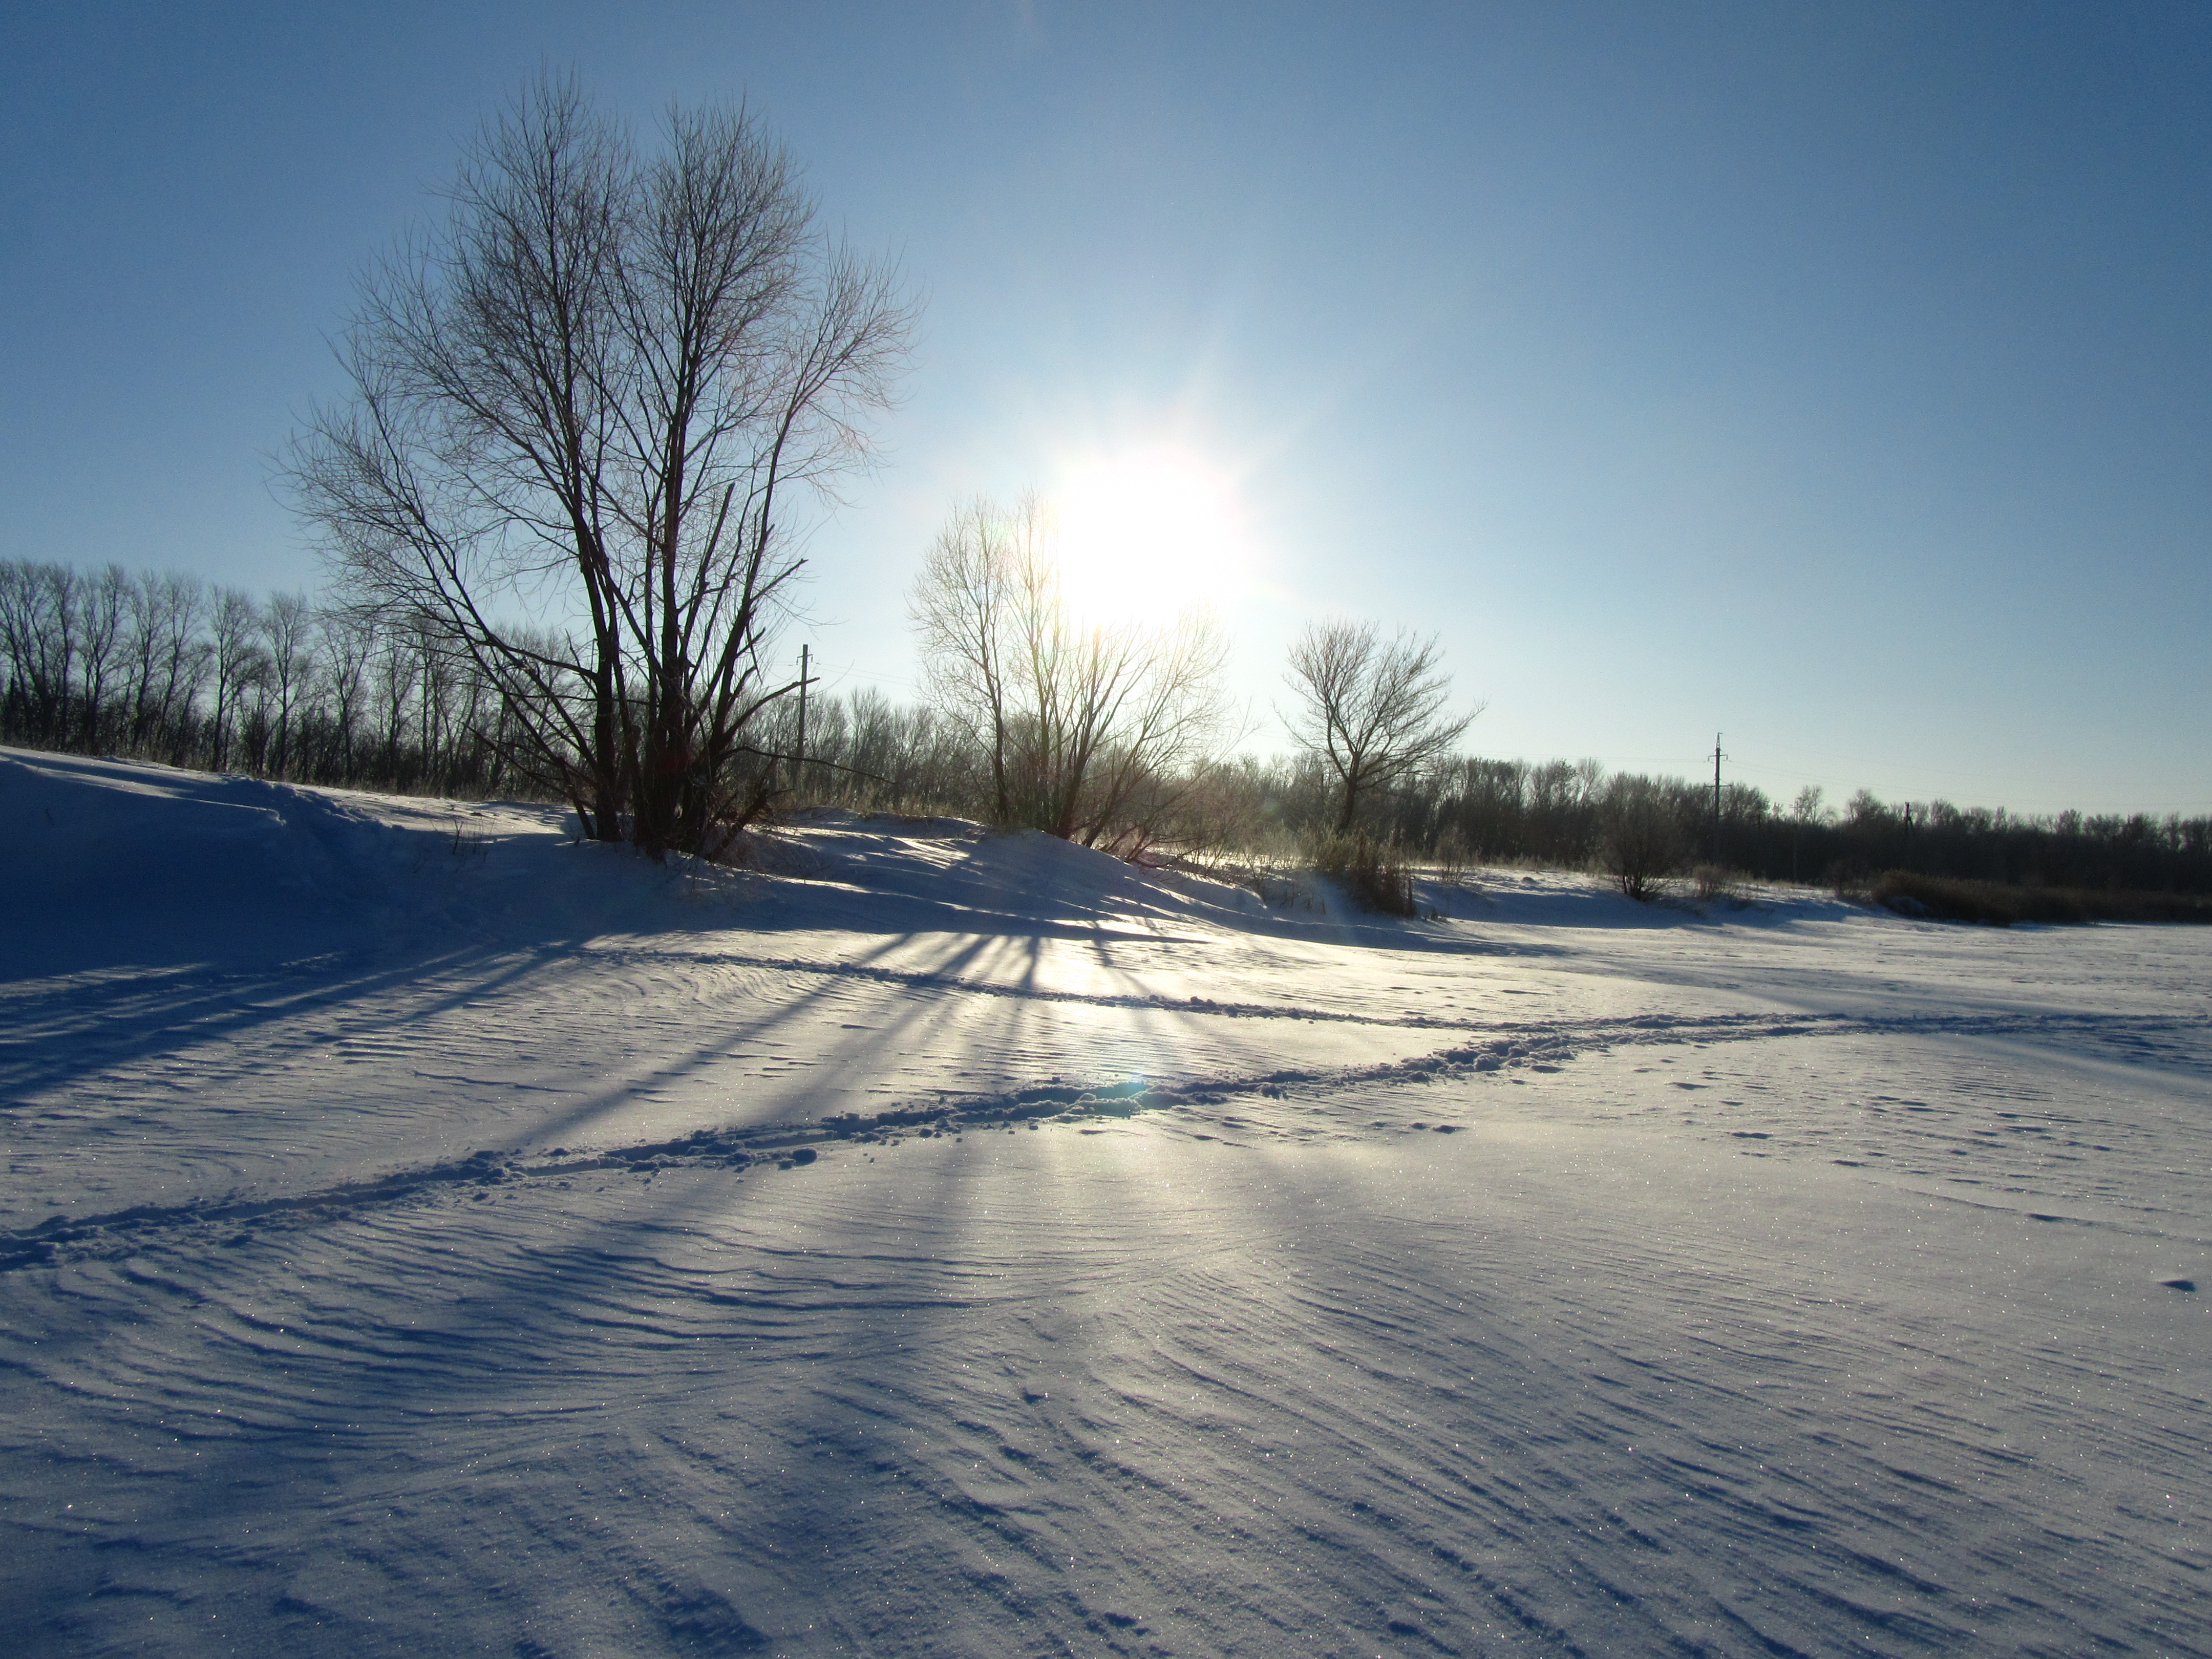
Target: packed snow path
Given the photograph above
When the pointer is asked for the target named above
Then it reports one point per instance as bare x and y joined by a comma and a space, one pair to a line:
423, 1234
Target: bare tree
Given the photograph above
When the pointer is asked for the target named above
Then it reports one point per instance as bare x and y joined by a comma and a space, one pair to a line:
106, 607
963, 607
164, 659
184, 656
288, 632
349, 645
233, 625
41, 622
1807, 811
391, 689
1080, 720
1374, 713
581, 408
1152, 698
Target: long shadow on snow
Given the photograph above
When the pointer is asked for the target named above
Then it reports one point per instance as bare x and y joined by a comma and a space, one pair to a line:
69, 1021
363, 1405
593, 1314
70, 1030
606, 1103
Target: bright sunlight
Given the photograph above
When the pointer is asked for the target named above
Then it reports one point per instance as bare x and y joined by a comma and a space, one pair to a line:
1146, 533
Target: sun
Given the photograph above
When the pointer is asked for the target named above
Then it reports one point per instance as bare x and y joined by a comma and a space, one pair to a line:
1147, 533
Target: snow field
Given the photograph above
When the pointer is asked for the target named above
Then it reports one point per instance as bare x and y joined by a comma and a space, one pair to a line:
436, 1271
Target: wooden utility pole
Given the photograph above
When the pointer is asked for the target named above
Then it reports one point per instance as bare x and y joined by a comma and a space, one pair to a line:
1717, 798
798, 761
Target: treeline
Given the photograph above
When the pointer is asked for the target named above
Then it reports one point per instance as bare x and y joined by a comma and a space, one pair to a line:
164, 666
1572, 815
167, 667
872, 756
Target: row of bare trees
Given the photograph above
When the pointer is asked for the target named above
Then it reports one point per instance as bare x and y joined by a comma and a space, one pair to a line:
588, 407
162, 666
1643, 829
564, 507
1113, 734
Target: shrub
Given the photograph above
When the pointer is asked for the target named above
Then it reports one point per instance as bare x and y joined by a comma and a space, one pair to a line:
1375, 873
1641, 843
1718, 882
1451, 858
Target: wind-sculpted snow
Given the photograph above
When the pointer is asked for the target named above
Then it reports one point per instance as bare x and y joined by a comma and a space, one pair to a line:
926, 1242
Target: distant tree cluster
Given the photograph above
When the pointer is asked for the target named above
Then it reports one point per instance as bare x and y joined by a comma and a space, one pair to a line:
1643, 829
164, 666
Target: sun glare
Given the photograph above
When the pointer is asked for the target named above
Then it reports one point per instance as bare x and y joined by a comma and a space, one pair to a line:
1147, 533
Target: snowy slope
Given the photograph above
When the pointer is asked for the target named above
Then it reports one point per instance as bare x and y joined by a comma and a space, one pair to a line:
423, 1233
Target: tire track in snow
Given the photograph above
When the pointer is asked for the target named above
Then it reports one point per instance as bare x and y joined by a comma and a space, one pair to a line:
1520, 1044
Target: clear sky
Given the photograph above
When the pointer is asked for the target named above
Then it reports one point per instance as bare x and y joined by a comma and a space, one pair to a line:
1836, 377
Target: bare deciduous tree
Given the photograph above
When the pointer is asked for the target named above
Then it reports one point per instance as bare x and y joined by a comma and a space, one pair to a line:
966, 607
1807, 811
1374, 713
234, 628
165, 657
288, 632
581, 408
106, 607
1082, 720
349, 644
41, 622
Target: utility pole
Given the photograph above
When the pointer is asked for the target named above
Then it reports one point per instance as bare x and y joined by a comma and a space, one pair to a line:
1717, 798
798, 763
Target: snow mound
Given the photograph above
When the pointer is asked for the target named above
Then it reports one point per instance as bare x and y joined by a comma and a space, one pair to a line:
949, 873
119, 863
133, 863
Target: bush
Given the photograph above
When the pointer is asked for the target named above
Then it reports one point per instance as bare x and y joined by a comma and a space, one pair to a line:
1642, 842
1375, 873
2001, 904
1718, 882
1451, 858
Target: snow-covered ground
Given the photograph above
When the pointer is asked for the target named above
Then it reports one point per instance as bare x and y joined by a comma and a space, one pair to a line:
425, 1235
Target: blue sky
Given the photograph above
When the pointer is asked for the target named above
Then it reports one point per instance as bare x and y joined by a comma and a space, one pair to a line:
1833, 377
